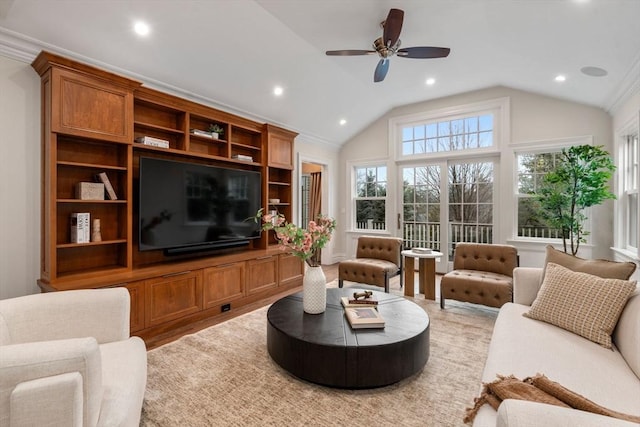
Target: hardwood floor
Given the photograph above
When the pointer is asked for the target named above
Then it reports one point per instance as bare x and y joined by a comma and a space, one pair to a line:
330, 271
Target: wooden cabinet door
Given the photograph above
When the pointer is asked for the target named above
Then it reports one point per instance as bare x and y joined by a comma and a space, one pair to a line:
223, 283
172, 296
136, 291
262, 274
90, 107
279, 147
291, 270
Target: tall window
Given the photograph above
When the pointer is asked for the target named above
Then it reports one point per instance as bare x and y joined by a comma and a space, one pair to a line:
448, 135
630, 191
531, 169
370, 200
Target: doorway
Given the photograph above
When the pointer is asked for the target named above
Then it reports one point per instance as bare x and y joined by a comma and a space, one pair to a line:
310, 192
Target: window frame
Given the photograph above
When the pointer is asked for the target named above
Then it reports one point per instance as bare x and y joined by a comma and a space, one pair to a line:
540, 147
499, 108
624, 174
353, 167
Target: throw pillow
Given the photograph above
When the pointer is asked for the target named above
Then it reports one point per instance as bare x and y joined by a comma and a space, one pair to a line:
598, 267
581, 303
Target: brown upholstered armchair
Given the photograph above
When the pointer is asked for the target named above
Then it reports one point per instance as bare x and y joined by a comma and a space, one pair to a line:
377, 259
482, 274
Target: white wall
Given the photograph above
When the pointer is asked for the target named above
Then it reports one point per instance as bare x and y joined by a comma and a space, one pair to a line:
533, 118
19, 178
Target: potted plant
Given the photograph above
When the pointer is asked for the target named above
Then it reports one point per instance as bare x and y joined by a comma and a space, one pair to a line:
304, 244
216, 130
579, 180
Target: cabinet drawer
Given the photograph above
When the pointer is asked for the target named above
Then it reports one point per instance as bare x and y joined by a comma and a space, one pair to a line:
223, 283
172, 296
262, 274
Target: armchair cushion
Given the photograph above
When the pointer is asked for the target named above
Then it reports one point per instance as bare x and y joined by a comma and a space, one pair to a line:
20, 363
54, 401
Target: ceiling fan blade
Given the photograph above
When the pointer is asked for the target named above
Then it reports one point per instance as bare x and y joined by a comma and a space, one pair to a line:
392, 27
381, 70
349, 52
423, 52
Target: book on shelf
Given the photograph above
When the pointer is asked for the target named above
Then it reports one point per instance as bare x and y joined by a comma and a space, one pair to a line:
153, 142
365, 317
103, 178
242, 157
80, 229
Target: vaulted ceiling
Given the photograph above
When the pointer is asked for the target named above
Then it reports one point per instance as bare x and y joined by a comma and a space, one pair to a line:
232, 53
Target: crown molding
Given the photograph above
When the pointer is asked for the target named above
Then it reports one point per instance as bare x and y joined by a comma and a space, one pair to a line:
628, 88
25, 49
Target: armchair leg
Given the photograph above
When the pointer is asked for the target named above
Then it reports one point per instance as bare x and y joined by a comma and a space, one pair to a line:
441, 302
340, 283
386, 283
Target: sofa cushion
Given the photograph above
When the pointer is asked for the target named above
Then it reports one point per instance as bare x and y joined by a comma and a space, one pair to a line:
598, 267
581, 303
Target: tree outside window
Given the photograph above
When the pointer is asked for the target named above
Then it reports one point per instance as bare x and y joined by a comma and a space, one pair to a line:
532, 167
370, 200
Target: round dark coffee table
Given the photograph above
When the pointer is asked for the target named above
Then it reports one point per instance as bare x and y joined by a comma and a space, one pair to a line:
324, 349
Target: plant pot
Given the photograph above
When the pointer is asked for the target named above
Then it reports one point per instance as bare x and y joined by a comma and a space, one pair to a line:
314, 291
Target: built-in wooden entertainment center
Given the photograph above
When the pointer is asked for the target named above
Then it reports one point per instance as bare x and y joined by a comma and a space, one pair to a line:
91, 119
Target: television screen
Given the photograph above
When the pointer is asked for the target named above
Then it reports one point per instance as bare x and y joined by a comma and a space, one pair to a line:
187, 207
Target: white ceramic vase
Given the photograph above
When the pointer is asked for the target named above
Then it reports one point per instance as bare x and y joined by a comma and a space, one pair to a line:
314, 291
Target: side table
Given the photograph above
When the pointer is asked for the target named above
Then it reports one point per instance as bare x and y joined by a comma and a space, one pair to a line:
426, 273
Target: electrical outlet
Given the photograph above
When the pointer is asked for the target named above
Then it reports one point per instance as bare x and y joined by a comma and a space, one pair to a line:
225, 307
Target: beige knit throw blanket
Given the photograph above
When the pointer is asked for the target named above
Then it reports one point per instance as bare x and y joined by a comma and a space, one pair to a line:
537, 389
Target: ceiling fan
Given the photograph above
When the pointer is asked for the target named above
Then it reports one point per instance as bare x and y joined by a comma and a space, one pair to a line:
389, 45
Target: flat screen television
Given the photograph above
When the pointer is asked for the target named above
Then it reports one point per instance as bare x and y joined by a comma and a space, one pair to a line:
187, 207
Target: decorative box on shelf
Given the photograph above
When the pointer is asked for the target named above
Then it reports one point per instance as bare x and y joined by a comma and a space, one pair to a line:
90, 191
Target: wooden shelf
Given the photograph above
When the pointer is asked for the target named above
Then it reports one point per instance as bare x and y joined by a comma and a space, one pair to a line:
158, 128
248, 147
104, 242
92, 166
79, 201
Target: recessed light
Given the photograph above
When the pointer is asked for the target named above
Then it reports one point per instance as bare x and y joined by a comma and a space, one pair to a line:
560, 78
343, 122
277, 91
594, 71
431, 81
141, 28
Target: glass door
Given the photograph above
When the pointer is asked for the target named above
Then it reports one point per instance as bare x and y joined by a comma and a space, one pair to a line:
437, 213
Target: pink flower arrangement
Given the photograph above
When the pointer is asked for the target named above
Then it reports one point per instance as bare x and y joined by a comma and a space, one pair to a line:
303, 243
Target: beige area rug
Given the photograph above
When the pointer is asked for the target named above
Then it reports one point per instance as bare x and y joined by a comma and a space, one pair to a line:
224, 376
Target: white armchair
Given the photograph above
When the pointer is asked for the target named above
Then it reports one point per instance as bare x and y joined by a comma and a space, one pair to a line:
66, 359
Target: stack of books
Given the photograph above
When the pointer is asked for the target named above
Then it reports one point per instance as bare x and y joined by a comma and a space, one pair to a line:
154, 142
242, 157
199, 132
362, 312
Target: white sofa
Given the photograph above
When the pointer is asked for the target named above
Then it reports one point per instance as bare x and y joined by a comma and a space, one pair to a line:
66, 359
525, 347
